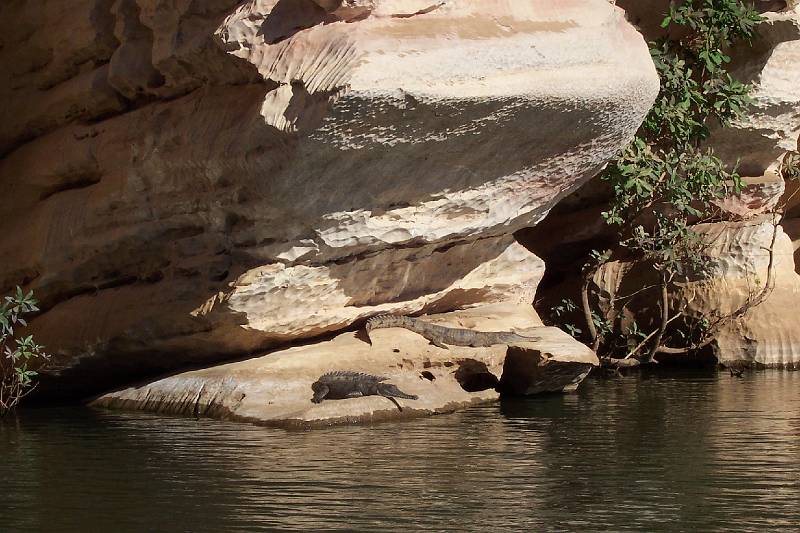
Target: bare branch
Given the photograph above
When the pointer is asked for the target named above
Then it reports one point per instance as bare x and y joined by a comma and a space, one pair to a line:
664, 318
644, 341
587, 310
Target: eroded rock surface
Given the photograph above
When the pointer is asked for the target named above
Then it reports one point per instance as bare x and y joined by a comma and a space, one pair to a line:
276, 389
741, 252
770, 334
186, 182
772, 125
758, 196
740, 256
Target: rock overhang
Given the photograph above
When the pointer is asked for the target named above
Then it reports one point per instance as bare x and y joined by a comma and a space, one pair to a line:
400, 149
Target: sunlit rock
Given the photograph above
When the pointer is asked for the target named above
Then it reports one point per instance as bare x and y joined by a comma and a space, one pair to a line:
748, 295
276, 389
750, 259
186, 182
757, 196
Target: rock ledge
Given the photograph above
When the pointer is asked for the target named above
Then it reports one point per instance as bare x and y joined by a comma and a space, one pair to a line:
275, 389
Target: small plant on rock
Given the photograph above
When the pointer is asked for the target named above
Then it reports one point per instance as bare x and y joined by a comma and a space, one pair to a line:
20, 357
790, 169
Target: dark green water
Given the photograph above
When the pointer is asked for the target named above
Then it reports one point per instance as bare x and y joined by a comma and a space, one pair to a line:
690, 452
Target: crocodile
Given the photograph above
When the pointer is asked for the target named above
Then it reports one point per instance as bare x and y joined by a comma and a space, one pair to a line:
441, 335
346, 384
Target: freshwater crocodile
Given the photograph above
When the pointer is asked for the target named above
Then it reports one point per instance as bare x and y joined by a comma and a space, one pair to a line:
346, 384
441, 335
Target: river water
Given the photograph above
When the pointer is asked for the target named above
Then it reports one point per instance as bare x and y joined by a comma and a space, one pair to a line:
667, 452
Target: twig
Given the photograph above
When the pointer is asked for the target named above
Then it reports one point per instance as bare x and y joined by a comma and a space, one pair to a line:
644, 341
634, 293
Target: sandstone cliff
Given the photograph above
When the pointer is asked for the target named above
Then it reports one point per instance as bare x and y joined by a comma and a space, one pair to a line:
185, 182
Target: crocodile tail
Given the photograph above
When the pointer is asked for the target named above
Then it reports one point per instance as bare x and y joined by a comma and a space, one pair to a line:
373, 323
391, 391
383, 321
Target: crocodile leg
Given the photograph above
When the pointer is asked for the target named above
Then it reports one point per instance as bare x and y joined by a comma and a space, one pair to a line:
394, 402
439, 344
320, 391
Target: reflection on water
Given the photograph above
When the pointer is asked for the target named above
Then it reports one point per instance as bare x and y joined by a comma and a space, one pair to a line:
677, 452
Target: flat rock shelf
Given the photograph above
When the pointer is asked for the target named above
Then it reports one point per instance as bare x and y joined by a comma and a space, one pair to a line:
275, 389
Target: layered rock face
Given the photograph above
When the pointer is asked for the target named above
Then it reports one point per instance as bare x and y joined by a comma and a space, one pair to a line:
186, 182
751, 274
772, 126
741, 245
743, 248
747, 258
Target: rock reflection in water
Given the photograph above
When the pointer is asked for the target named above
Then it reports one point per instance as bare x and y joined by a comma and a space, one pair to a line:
690, 452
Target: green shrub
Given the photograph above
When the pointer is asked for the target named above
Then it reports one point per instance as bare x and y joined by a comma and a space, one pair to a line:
20, 357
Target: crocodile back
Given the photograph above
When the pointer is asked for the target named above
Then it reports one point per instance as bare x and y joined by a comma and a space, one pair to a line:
346, 384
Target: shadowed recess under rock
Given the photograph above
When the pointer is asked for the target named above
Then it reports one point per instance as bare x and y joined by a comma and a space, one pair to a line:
474, 376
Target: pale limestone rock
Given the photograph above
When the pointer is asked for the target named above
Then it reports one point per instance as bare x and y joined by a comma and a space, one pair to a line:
792, 228
237, 175
739, 257
529, 369
276, 389
767, 335
772, 126
758, 196
312, 298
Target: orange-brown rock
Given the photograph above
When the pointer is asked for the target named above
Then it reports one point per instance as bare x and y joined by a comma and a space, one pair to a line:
741, 254
187, 182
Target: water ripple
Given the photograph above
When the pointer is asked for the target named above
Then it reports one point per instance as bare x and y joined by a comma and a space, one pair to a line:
677, 453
